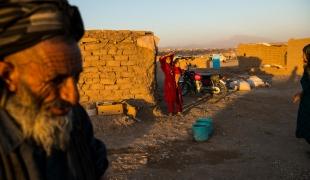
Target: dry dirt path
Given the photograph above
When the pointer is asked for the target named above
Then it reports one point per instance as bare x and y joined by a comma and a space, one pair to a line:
254, 139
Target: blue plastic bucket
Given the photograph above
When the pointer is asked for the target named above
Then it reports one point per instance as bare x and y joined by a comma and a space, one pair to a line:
200, 132
207, 122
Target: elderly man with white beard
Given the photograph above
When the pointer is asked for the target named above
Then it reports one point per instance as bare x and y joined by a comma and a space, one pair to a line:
44, 133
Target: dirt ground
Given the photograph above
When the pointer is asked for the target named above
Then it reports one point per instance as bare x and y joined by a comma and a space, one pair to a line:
254, 139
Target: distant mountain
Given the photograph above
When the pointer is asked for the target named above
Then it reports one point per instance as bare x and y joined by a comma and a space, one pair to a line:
237, 39
230, 42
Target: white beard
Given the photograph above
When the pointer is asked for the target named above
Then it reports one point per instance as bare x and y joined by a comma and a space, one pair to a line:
48, 131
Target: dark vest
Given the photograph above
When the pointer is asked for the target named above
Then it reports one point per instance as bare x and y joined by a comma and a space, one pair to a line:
85, 158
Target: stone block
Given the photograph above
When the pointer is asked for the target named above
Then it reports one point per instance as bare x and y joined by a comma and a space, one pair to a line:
139, 91
123, 81
94, 46
127, 46
107, 75
100, 52
128, 40
101, 63
88, 40
86, 53
85, 87
86, 75
137, 69
124, 68
121, 58
147, 42
107, 81
84, 99
89, 80
128, 63
112, 51
119, 52
113, 63
96, 80
111, 87
106, 57
128, 96
134, 57
139, 33
96, 86
110, 109
82, 47
127, 74
127, 86
90, 69
106, 92
129, 52
119, 69
91, 58
92, 93
105, 69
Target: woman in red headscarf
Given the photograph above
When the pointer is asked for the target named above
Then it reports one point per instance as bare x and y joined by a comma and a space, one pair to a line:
172, 91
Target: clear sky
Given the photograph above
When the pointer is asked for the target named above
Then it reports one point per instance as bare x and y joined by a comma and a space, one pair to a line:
206, 23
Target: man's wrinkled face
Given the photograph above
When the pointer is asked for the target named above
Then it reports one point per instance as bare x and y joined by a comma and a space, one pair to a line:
50, 71
42, 88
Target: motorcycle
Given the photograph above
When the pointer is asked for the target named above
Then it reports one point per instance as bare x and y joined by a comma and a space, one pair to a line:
193, 82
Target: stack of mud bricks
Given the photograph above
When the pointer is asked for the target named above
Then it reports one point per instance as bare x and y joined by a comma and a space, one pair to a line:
118, 65
287, 55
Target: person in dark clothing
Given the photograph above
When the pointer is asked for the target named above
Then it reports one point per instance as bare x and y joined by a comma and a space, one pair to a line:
45, 134
303, 119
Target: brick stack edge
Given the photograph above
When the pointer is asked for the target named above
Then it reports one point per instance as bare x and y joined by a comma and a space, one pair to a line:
118, 65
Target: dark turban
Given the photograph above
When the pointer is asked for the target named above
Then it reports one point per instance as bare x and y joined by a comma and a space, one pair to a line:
24, 23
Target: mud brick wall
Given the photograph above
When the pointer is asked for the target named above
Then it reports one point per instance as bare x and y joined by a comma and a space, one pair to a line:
274, 54
289, 56
295, 55
258, 55
118, 65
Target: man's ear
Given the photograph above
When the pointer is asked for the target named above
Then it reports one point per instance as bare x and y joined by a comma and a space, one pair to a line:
8, 74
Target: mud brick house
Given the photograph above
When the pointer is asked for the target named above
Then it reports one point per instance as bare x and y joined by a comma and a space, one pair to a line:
118, 65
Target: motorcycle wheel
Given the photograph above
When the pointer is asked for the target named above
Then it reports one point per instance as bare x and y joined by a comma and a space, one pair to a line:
220, 89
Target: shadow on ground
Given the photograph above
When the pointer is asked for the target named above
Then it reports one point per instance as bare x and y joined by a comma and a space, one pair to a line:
254, 139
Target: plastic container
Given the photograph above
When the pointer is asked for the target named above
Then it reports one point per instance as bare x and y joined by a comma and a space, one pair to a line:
200, 132
216, 63
207, 122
